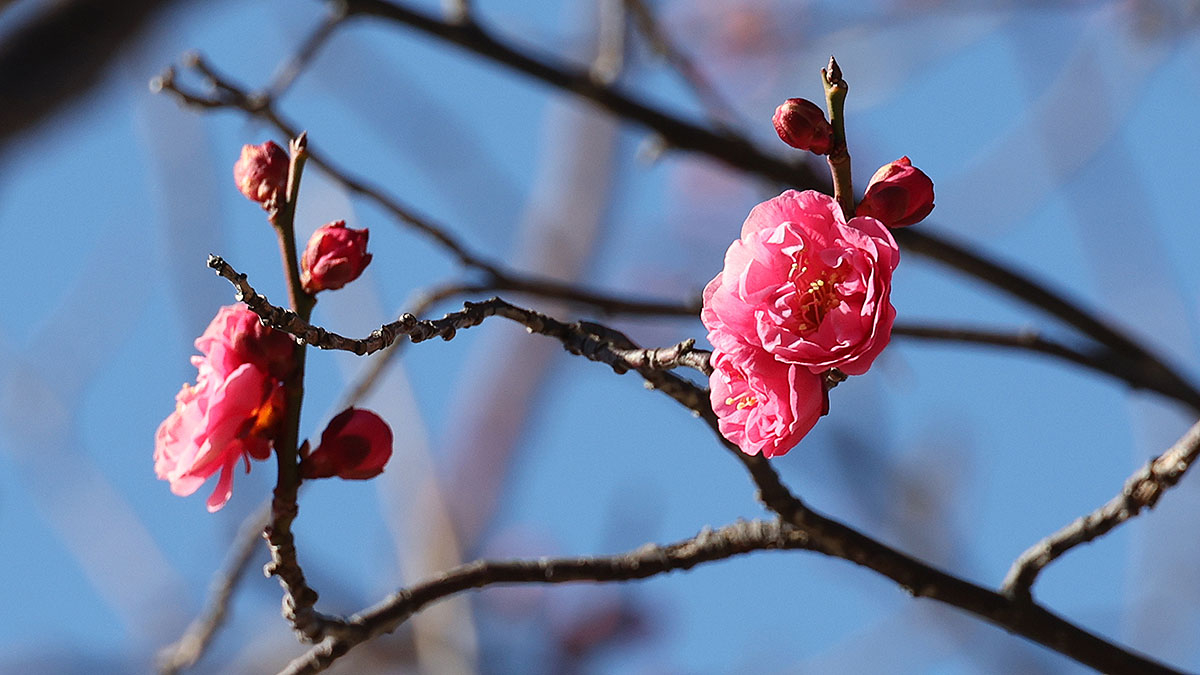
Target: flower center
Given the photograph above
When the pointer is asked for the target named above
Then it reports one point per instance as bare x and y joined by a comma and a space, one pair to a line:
744, 401
817, 294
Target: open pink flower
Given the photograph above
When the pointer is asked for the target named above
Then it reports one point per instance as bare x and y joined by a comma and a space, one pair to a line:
805, 285
762, 404
233, 411
356, 445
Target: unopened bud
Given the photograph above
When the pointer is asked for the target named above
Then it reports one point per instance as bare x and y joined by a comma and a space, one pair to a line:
356, 445
261, 173
899, 194
802, 125
335, 256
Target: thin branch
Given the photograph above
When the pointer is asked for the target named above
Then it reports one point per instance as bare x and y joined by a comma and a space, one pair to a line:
720, 113
229, 95
826, 535
187, 650
1142, 491
647, 561
587, 339
304, 55
676, 132
739, 153
1099, 358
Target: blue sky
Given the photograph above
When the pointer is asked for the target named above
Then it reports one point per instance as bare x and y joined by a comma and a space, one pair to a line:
1060, 140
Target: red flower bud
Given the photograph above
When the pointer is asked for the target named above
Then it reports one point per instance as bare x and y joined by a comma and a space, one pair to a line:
802, 125
335, 256
356, 445
261, 173
899, 194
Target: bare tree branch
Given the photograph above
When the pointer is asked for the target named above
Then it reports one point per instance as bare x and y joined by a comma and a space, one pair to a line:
647, 561
187, 650
591, 340
828, 536
1142, 491
1099, 358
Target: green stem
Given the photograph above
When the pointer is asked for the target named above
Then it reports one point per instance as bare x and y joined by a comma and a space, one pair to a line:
839, 157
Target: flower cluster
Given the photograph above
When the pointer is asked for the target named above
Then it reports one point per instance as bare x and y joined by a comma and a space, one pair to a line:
234, 410
803, 291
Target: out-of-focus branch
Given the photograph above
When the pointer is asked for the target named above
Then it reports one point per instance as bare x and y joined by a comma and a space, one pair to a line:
1142, 491
1098, 358
304, 55
226, 94
676, 132
61, 53
740, 153
646, 561
826, 535
720, 113
187, 650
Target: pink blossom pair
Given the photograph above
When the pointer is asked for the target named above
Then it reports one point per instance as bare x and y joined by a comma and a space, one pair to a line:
803, 291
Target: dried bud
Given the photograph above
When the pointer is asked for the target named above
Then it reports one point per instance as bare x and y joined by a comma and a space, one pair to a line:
802, 125
356, 445
899, 194
335, 256
261, 173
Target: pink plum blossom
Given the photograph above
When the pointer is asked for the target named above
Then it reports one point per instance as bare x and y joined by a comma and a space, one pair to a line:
233, 411
356, 446
805, 285
335, 256
762, 404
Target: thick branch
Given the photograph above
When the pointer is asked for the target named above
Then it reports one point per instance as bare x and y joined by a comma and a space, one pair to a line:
647, 561
826, 535
1142, 491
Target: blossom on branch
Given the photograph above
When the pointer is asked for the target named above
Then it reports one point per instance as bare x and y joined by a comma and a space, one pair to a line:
356, 445
261, 173
899, 194
805, 285
335, 256
234, 410
762, 404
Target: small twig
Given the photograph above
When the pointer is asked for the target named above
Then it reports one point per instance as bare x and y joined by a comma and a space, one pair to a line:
187, 650
610, 42
457, 11
839, 155
1142, 491
720, 113
304, 55
646, 561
